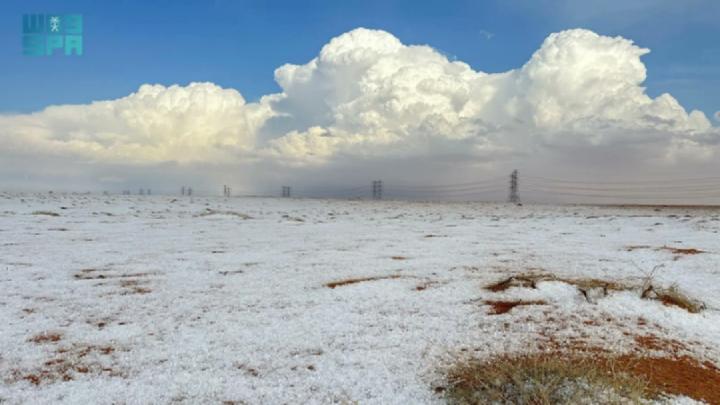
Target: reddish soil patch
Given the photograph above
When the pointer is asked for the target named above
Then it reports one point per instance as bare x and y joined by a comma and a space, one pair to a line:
679, 376
652, 342
503, 307
349, 281
682, 251
673, 250
67, 364
398, 257
46, 338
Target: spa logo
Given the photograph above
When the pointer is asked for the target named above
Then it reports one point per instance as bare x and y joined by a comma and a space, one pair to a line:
52, 34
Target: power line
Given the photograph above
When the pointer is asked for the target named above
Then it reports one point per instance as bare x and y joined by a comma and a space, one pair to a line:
634, 182
490, 188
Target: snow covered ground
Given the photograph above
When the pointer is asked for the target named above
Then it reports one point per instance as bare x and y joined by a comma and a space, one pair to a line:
157, 299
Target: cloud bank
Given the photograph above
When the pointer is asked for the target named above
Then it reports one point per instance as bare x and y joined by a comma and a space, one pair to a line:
369, 97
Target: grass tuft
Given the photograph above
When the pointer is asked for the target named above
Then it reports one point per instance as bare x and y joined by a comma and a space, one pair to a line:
673, 297
541, 380
47, 213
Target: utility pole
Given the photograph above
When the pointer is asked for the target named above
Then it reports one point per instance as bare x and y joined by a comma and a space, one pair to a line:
189, 191
182, 190
286, 191
377, 189
514, 196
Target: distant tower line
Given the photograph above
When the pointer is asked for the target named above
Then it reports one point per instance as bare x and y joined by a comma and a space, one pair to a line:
377, 189
514, 197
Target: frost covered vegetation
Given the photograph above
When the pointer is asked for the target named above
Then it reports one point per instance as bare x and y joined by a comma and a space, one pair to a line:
248, 300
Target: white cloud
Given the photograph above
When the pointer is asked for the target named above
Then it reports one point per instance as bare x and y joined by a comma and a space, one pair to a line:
367, 95
717, 116
486, 34
198, 122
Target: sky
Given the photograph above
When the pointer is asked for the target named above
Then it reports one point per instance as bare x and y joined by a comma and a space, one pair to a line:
430, 91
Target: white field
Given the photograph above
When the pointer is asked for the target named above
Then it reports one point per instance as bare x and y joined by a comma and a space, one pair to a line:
150, 301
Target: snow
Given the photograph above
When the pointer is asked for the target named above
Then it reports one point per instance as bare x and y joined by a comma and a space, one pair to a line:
224, 299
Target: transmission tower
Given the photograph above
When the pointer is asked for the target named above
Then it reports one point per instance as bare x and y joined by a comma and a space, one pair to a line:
514, 197
286, 191
377, 189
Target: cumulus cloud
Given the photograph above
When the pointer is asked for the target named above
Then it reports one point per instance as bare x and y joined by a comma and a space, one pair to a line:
367, 93
198, 122
369, 96
717, 116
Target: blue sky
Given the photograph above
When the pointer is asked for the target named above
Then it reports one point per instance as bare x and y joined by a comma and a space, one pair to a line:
238, 44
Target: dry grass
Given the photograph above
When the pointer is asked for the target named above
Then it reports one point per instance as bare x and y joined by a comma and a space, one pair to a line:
585, 284
593, 288
349, 281
673, 297
682, 251
541, 380
567, 374
524, 281
673, 250
631, 248
47, 213
503, 307
209, 212
531, 280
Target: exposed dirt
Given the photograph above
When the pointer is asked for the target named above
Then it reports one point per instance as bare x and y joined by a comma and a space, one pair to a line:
67, 364
681, 375
655, 343
46, 338
671, 249
682, 251
349, 281
503, 307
